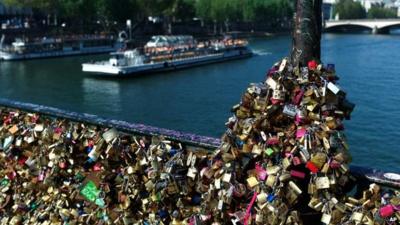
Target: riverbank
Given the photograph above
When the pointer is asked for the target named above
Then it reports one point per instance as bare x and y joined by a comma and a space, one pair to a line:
147, 29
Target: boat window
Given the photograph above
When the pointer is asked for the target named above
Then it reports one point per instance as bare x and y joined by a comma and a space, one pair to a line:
116, 56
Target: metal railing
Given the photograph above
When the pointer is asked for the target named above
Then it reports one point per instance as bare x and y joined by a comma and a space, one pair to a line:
362, 174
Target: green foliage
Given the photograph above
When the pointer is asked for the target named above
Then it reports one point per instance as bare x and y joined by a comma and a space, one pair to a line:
44, 5
376, 12
120, 10
185, 9
222, 10
85, 9
249, 10
116, 10
203, 9
349, 9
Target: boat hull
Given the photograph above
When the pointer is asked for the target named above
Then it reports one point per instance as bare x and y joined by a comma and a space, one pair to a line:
171, 65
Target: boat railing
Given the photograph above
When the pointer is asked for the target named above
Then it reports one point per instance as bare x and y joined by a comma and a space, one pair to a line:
364, 175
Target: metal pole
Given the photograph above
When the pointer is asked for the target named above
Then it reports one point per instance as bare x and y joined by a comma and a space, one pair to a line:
307, 32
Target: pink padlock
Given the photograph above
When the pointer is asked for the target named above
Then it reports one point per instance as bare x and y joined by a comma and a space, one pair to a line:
296, 161
273, 141
298, 174
62, 164
275, 101
300, 117
261, 172
386, 211
298, 97
334, 164
12, 175
97, 167
41, 176
300, 133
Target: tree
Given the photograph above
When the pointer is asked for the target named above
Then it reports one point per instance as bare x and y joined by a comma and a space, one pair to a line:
221, 12
183, 10
268, 10
118, 10
349, 9
203, 9
50, 7
376, 12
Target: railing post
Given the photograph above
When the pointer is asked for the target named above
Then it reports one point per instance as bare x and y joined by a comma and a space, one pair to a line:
307, 32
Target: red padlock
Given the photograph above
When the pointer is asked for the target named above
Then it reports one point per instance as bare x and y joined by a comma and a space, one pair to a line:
22, 160
312, 167
312, 65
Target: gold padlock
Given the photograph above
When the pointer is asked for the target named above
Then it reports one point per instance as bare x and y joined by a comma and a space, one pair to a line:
318, 159
291, 197
286, 162
252, 182
295, 188
312, 188
315, 204
257, 150
357, 216
322, 182
270, 180
326, 168
326, 218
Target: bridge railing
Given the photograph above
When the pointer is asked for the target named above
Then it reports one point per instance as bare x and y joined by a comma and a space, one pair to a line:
362, 174
364, 20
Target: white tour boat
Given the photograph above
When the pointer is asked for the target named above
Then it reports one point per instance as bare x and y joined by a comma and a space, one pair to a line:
164, 53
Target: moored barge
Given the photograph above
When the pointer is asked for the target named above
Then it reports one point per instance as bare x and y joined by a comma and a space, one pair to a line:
22, 49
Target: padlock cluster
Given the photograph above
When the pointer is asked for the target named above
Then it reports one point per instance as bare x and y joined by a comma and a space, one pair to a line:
55, 171
286, 138
283, 161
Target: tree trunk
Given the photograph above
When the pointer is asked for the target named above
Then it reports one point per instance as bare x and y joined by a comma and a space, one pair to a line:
55, 19
307, 32
215, 27
226, 23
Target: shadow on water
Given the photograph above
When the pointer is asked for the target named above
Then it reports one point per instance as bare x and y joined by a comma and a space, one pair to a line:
159, 74
354, 29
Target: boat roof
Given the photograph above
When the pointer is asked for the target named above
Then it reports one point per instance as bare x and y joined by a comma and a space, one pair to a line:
172, 37
169, 39
116, 53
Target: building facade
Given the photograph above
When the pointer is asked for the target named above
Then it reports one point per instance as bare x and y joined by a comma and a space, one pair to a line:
367, 4
327, 9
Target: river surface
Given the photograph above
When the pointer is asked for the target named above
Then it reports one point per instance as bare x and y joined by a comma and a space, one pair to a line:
198, 100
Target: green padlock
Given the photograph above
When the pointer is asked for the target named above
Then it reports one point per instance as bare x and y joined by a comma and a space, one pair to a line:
90, 191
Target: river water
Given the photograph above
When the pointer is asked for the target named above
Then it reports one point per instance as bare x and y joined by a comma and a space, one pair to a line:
198, 100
